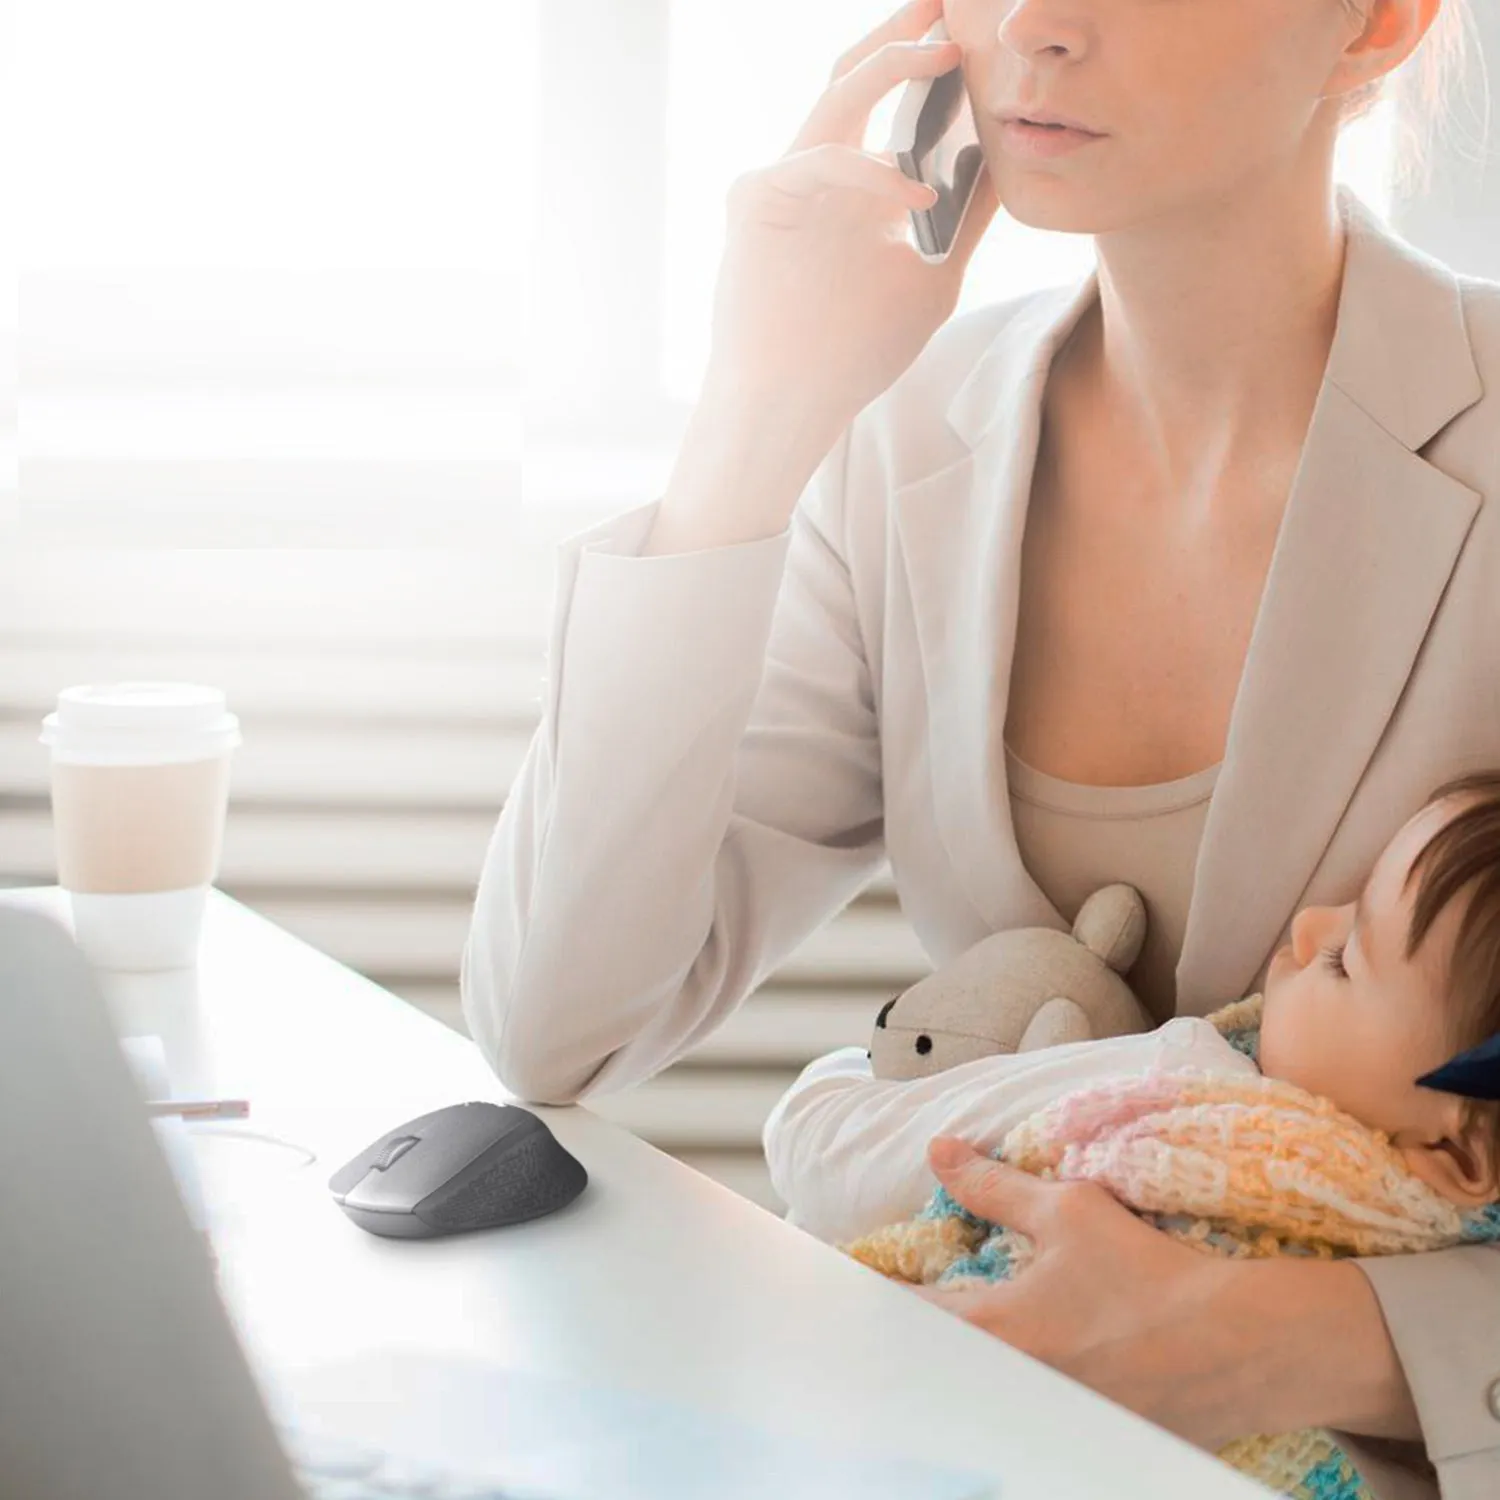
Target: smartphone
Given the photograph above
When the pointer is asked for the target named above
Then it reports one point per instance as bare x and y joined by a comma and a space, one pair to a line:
934, 140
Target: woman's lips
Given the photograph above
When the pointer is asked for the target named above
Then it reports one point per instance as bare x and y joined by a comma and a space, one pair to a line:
1023, 139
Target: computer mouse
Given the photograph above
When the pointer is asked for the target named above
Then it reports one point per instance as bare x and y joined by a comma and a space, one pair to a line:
469, 1166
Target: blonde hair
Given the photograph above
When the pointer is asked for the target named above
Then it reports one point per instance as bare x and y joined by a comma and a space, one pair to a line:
1424, 84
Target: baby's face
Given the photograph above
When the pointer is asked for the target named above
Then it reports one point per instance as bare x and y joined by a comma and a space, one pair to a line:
1348, 1016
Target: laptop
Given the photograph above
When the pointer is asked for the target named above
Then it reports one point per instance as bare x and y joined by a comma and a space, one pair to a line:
123, 1376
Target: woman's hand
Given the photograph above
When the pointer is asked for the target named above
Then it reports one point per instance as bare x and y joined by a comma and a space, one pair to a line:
821, 299
1107, 1299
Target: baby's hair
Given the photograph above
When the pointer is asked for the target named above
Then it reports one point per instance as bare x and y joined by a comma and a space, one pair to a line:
1464, 853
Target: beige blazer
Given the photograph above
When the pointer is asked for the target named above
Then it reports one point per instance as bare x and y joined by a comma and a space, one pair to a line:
734, 740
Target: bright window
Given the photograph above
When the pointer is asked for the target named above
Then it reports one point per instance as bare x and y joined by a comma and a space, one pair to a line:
332, 233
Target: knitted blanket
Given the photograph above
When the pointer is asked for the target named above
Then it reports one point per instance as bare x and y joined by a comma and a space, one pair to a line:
1231, 1165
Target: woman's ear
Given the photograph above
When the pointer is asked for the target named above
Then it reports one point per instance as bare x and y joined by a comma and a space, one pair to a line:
1460, 1164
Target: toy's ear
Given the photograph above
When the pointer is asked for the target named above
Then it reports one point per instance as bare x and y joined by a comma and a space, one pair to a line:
1111, 924
1059, 1020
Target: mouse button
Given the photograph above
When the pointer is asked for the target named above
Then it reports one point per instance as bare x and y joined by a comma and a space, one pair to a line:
393, 1152
395, 1190
450, 1142
355, 1170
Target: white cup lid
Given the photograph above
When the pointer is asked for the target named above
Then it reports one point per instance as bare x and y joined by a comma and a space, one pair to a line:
132, 723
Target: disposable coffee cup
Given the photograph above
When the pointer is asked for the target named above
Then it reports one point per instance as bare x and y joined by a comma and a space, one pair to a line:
140, 789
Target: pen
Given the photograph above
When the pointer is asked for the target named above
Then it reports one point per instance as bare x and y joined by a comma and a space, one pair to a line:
200, 1109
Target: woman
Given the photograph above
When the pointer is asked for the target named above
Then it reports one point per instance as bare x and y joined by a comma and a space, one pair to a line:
1003, 598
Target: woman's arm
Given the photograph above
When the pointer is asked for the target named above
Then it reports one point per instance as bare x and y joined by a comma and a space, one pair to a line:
1313, 1350
847, 1152
1215, 1349
1441, 1315
1403, 1347
1398, 1355
703, 792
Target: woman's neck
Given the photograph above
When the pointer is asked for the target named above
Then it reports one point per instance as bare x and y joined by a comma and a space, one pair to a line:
1208, 342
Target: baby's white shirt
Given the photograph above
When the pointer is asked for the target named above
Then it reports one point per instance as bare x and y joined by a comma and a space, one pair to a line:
848, 1151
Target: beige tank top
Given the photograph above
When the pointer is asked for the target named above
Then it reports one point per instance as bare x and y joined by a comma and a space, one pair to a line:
1075, 838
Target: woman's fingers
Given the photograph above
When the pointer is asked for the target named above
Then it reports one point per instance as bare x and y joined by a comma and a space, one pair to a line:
843, 111
912, 20
999, 1192
816, 170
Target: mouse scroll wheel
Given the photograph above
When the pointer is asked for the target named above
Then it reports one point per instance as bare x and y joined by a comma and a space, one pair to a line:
395, 1151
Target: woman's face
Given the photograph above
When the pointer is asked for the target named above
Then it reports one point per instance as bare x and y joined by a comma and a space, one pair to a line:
1193, 97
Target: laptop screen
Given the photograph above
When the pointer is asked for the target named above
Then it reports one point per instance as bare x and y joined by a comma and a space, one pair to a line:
122, 1374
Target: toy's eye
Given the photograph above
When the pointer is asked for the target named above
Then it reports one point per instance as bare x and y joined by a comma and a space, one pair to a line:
885, 1010
924, 1044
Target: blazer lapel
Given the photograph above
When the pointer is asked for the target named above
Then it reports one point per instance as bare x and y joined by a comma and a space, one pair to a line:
959, 531
1370, 535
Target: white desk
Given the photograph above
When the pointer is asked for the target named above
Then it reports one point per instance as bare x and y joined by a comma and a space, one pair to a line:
655, 1279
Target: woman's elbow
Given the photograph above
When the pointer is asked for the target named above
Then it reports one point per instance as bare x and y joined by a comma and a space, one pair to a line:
537, 1074
534, 1079
524, 1067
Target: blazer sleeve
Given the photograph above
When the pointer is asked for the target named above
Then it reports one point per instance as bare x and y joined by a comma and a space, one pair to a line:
702, 793
1442, 1310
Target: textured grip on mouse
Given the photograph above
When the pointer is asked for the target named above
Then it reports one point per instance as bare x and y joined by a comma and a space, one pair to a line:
537, 1177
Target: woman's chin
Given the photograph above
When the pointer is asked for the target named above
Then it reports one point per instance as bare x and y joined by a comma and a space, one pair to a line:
1040, 201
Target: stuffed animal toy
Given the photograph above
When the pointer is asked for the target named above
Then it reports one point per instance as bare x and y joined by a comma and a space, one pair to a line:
1019, 990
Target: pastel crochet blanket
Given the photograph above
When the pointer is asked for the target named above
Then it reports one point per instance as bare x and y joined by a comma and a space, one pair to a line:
1230, 1164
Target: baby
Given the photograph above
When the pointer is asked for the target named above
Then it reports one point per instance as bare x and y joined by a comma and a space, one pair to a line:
1388, 1006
